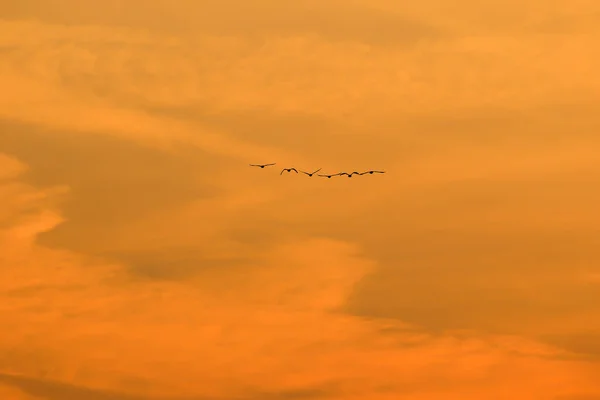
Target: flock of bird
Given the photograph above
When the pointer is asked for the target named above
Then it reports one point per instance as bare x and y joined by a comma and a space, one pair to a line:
310, 174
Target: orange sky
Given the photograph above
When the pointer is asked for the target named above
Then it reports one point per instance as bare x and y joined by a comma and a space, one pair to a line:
141, 258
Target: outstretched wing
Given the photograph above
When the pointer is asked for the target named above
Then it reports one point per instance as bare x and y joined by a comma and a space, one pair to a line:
294, 169
317, 171
261, 165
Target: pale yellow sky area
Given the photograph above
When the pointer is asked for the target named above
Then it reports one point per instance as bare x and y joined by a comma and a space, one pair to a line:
142, 258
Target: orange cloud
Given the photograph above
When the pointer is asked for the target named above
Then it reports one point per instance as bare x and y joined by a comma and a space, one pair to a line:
140, 256
304, 74
273, 326
9, 392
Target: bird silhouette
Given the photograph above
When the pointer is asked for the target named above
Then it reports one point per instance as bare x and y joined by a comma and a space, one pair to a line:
350, 174
372, 172
288, 170
261, 165
328, 176
310, 173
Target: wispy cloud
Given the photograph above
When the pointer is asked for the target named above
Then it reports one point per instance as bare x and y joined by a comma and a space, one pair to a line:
141, 256
232, 331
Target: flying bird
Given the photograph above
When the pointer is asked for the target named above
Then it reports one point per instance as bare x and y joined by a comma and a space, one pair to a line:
261, 165
350, 174
328, 176
310, 173
372, 172
288, 170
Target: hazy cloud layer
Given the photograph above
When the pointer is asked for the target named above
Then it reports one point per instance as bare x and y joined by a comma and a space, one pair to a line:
141, 257
230, 332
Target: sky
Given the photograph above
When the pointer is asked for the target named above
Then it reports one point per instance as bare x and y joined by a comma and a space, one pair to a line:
142, 258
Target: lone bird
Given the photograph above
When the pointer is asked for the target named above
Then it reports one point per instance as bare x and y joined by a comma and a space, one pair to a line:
372, 172
261, 165
288, 170
328, 176
350, 174
310, 173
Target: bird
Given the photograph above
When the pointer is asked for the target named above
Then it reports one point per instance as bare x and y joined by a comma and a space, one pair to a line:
288, 170
350, 174
372, 172
261, 165
311, 173
328, 176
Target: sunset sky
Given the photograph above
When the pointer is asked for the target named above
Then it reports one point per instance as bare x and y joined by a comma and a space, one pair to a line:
142, 258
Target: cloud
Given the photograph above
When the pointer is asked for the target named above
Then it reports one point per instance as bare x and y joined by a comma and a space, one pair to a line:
273, 326
378, 22
579, 397
285, 74
464, 209
332, 19
39, 389
60, 391
11, 392
11, 167
509, 17
141, 256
